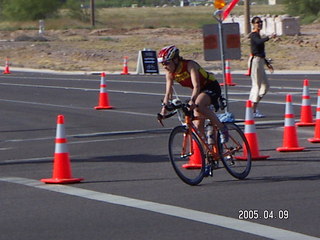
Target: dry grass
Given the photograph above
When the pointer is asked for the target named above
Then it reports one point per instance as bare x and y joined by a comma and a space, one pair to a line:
132, 18
74, 45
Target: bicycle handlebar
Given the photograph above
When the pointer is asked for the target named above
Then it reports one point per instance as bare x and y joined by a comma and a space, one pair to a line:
173, 106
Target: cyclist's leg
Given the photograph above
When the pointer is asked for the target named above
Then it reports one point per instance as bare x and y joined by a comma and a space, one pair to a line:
203, 102
199, 122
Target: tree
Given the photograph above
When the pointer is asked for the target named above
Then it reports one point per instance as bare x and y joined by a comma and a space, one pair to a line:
304, 8
30, 9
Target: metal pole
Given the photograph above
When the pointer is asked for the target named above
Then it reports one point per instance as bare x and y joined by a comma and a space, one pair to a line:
247, 26
218, 17
92, 13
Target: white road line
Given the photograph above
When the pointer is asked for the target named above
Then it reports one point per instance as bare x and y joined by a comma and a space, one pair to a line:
193, 215
87, 80
28, 160
296, 102
149, 82
4, 149
96, 134
73, 107
299, 90
113, 139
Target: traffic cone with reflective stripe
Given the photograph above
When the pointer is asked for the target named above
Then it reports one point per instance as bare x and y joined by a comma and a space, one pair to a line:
103, 96
228, 76
316, 138
125, 70
251, 135
195, 159
6, 69
290, 138
306, 110
62, 167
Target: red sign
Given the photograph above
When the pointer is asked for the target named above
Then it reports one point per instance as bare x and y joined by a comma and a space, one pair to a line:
233, 41
210, 42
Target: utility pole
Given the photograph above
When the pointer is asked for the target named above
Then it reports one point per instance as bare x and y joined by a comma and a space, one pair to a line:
247, 26
92, 13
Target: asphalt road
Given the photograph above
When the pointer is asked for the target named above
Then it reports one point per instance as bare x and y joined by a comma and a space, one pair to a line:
129, 189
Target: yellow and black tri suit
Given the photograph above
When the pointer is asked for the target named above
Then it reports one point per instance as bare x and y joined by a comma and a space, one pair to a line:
208, 82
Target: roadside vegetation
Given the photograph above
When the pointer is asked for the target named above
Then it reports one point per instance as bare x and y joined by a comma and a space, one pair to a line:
132, 18
70, 42
65, 14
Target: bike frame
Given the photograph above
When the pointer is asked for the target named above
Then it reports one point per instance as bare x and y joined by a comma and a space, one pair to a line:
191, 128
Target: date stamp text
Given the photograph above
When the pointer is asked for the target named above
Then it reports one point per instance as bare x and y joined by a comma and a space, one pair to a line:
251, 214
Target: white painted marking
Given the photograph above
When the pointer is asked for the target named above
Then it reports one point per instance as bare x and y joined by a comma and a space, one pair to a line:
193, 215
298, 101
88, 80
97, 134
113, 139
73, 107
29, 160
4, 149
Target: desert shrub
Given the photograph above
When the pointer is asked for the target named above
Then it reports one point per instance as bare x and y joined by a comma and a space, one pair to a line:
309, 10
29, 9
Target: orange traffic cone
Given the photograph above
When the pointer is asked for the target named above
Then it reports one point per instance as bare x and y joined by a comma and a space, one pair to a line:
306, 111
103, 96
6, 69
290, 139
228, 75
316, 138
125, 70
251, 135
62, 167
195, 158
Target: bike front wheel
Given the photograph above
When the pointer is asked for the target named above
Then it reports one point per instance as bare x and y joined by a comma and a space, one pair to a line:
236, 154
186, 155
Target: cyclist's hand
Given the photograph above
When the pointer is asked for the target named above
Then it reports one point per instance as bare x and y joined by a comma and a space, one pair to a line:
160, 117
192, 105
163, 111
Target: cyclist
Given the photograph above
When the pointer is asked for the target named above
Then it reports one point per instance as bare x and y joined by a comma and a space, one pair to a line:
205, 88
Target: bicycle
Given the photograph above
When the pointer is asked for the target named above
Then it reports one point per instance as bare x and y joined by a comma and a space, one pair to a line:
193, 157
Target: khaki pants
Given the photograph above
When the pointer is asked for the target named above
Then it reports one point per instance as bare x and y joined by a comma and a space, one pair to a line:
259, 80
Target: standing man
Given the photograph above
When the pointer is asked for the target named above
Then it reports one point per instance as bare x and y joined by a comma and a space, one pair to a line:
257, 60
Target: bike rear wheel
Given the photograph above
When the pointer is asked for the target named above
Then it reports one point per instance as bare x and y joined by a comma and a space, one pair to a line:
188, 165
236, 154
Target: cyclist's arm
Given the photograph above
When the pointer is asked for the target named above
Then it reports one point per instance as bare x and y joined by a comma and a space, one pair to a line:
194, 73
168, 94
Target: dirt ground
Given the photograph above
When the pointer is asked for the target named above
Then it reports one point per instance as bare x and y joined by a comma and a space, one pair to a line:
104, 49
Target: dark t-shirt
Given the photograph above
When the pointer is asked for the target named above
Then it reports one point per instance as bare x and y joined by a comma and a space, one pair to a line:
257, 44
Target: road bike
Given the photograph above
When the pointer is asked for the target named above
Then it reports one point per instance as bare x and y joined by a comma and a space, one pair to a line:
194, 156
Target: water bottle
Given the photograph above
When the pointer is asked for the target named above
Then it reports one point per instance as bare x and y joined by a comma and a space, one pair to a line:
210, 137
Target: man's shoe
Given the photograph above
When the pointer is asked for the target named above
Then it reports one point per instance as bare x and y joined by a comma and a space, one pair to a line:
258, 114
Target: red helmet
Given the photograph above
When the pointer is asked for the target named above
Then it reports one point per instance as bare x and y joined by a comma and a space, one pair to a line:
168, 53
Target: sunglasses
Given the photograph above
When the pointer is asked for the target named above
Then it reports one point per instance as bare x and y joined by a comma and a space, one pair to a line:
259, 22
165, 63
